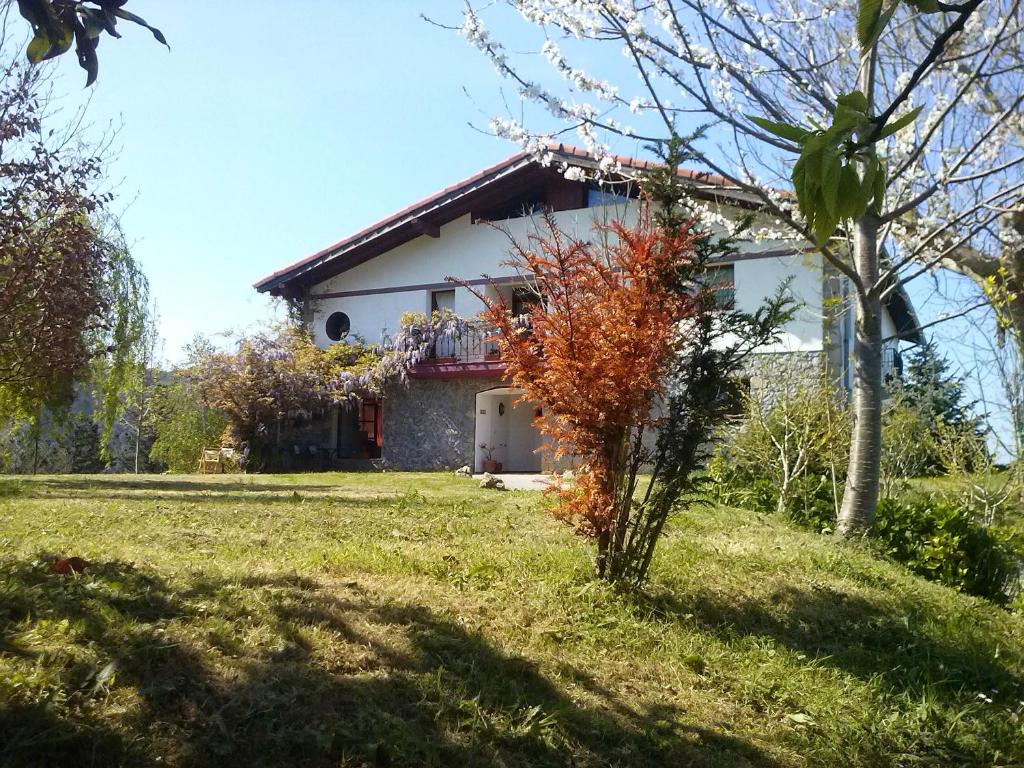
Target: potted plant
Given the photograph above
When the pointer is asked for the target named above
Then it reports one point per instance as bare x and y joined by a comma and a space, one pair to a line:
490, 465
492, 352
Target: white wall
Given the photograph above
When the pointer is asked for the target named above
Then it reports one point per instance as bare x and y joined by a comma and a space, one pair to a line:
468, 251
512, 430
758, 279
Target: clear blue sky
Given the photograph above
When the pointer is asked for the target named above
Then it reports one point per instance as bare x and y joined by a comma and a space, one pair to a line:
273, 129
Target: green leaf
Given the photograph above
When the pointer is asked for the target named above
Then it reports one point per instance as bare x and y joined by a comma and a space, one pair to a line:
38, 48
831, 173
814, 151
127, 15
879, 185
85, 47
924, 6
851, 198
900, 123
63, 44
799, 177
784, 130
868, 12
855, 100
94, 21
824, 226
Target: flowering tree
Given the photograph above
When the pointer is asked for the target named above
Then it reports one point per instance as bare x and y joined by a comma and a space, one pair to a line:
282, 373
626, 340
896, 122
271, 376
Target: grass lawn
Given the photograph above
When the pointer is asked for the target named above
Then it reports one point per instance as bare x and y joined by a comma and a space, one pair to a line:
414, 619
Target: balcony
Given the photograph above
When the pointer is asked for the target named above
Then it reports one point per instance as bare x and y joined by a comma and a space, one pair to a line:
468, 351
892, 364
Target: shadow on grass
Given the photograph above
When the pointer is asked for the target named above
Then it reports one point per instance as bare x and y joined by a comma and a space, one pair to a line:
157, 483
281, 670
195, 491
910, 646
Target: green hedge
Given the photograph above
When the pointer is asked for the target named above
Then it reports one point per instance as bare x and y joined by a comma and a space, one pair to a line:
946, 542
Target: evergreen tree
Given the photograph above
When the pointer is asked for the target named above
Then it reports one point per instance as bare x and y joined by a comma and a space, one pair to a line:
929, 407
931, 388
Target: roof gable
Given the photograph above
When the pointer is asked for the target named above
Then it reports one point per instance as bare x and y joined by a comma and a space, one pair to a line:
489, 188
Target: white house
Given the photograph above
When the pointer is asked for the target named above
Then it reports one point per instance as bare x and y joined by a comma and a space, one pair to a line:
361, 286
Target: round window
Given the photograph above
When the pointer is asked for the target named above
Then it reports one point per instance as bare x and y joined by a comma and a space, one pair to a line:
338, 326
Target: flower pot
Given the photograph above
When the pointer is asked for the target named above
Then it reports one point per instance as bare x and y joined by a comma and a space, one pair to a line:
492, 466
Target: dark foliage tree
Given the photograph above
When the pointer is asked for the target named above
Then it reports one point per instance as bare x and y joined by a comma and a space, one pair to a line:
59, 24
930, 386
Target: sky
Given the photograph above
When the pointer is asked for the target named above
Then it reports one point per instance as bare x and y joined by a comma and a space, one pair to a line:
261, 137
270, 130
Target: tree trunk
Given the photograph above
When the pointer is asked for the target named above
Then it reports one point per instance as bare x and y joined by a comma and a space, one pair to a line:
861, 496
604, 540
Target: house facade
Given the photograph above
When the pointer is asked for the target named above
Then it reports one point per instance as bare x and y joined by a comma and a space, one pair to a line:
459, 407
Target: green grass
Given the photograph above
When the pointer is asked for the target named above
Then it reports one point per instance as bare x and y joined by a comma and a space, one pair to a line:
414, 619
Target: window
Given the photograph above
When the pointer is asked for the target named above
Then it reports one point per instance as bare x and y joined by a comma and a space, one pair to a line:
442, 300
524, 299
722, 280
338, 326
618, 194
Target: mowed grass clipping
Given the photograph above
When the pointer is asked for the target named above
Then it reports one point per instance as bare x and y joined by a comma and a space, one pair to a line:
415, 619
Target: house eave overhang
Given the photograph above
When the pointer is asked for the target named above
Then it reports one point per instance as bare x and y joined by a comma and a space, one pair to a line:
522, 169
408, 223
904, 317
425, 216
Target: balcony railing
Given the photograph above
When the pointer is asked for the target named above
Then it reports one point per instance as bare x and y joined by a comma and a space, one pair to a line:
469, 342
892, 364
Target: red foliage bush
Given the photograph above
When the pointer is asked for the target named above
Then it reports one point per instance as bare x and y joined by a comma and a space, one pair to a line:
596, 349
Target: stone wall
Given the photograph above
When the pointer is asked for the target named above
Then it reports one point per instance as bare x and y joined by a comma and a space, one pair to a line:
772, 373
431, 423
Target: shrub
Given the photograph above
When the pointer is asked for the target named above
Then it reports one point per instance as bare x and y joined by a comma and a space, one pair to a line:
945, 541
789, 454
909, 447
184, 426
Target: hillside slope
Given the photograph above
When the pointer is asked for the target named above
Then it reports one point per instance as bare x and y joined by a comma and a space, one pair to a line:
407, 619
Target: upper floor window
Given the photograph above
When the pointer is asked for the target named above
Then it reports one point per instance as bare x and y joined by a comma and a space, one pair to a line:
442, 300
598, 196
338, 325
722, 280
524, 299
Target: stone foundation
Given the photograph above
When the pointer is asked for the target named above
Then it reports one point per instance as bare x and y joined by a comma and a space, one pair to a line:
773, 373
431, 424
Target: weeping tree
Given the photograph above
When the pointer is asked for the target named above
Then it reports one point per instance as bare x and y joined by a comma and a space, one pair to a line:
891, 122
71, 296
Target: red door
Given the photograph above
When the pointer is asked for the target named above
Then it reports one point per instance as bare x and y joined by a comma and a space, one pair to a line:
370, 423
